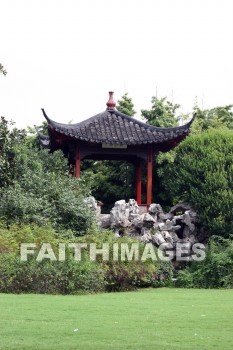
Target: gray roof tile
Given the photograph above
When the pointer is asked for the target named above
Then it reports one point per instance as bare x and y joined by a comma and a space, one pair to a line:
114, 127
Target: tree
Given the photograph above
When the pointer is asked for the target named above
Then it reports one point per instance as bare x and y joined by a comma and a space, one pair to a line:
126, 106
8, 140
202, 175
2, 70
209, 119
162, 113
215, 118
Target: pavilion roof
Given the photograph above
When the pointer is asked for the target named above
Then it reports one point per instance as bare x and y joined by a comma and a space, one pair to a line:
115, 128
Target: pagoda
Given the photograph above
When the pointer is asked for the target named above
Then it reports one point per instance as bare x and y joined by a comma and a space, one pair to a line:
112, 135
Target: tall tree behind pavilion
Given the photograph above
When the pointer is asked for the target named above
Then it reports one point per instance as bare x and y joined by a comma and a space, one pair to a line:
163, 113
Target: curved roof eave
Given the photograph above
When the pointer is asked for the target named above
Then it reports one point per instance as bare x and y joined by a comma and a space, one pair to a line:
105, 113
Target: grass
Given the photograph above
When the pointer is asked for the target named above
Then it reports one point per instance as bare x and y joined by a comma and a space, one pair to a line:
148, 319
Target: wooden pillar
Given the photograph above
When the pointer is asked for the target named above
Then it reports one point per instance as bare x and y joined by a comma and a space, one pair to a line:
139, 182
149, 176
77, 162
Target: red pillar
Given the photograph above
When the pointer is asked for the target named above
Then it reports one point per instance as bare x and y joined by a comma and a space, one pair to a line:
77, 162
149, 176
139, 183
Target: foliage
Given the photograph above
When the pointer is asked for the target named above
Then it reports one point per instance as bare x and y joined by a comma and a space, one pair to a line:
127, 275
111, 181
70, 276
55, 200
2, 70
8, 139
160, 165
67, 277
40, 191
126, 106
130, 274
215, 118
162, 113
202, 174
216, 271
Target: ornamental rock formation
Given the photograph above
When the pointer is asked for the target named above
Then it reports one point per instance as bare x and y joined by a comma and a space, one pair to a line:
179, 225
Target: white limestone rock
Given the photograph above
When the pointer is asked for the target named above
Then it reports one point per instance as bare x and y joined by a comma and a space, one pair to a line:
105, 221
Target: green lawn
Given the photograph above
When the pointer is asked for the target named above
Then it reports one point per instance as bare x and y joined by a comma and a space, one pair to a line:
148, 319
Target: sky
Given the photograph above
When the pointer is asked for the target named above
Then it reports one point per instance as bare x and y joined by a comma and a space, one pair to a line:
65, 55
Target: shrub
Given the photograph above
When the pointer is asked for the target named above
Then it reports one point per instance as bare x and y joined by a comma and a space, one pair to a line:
46, 199
216, 271
127, 275
72, 276
41, 191
67, 277
202, 174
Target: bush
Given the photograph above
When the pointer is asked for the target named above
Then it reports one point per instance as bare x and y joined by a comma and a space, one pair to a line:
72, 276
41, 196
216, 271
35, 186
127, 275
202, 174
67, 277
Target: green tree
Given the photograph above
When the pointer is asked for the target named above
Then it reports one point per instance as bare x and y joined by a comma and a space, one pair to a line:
126, 106
162, 113
210, 119
2, 70
215, 118
202, 175
8, 139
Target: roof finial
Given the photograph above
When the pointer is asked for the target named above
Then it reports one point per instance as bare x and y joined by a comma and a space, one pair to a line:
111, 104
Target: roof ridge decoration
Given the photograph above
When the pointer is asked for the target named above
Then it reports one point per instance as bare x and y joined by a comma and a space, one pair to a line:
111, 104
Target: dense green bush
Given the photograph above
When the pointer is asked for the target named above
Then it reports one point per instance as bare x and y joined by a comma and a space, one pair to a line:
47, 276
202, 174
67, 277
216, 271
72, 276
56, 201
35, 186
127, 275
42, 193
